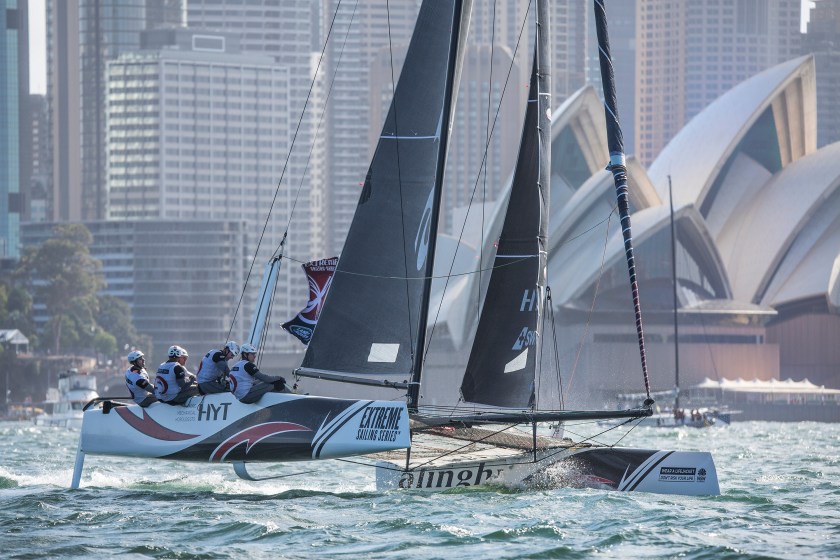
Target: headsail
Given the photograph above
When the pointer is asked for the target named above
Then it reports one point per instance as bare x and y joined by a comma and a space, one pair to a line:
502, 365
373, 325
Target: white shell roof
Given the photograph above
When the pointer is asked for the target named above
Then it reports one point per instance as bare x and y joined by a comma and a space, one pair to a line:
573, 267
785, 242
696, 155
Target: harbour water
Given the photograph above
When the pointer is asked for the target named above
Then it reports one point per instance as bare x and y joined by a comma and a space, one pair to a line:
780, 498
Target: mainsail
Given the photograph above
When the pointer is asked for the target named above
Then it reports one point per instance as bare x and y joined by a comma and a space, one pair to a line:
502, 366
373, 328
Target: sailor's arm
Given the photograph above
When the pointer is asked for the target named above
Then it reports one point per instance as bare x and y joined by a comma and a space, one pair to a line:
257, 374
182, 376
145, 385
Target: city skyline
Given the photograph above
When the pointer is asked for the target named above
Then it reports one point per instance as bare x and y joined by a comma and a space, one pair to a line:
38, 56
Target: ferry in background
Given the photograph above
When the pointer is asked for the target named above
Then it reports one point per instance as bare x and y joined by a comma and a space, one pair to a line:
772, 400
63, 405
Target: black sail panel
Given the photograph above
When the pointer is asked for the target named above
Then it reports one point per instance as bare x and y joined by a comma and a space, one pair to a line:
371, 321
502, 364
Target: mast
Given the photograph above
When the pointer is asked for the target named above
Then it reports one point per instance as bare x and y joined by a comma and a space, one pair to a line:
676, 321
615, 140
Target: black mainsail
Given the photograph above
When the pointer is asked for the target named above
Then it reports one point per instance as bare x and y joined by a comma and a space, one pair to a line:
503, 362
372, 327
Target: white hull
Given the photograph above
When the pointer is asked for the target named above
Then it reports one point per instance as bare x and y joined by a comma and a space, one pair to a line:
559, 464
281, 427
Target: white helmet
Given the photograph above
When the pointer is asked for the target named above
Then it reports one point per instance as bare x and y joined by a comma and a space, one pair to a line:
134, 356
248, 348
232, 346
177, 352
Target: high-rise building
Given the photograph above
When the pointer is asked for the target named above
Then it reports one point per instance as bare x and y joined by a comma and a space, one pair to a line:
622, 24
514, 24
287, 32
690, 52
15, 135
569, 47
36, 202
63, 79
823, 40
82, 36
198, 130
358, 33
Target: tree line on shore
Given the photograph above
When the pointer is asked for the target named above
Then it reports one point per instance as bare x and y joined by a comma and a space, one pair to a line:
62, 281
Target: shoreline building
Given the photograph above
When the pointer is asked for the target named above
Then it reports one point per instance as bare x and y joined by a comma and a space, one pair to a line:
177, 276
198, 130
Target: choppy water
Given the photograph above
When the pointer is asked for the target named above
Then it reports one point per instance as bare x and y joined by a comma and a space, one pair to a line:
780, 487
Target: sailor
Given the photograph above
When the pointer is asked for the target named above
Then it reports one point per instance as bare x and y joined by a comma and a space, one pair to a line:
248, 383
212, 374
174, 383
137, 380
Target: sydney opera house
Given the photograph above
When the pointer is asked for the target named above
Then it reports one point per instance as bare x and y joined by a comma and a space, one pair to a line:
756, 214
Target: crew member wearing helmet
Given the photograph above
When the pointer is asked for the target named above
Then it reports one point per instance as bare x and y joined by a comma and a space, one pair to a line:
248, 383
174, 383
137, 380
212, 374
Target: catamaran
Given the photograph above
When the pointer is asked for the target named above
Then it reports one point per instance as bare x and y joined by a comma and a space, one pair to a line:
370, 339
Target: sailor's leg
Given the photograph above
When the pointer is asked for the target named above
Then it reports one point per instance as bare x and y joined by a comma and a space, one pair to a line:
213, 387
258, 389
184, 395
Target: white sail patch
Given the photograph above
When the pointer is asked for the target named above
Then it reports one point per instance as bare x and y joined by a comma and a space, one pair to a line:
518, 362
382, 352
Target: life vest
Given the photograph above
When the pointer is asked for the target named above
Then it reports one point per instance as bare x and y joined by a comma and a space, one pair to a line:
240, 380
208, 370
166, 384
131, 379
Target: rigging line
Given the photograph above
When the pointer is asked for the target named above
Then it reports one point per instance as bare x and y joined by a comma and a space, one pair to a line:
585, 332
632, 427
585, 439
399, 183
320, 123
538, 365
550, 305
283, 173
486, 143
471, 272
466, 445
430, 334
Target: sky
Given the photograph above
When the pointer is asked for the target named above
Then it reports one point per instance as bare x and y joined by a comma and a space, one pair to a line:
38, 53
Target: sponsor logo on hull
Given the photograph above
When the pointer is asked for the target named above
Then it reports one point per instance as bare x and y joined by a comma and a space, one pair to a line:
449, 478
380, 423
682, 474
